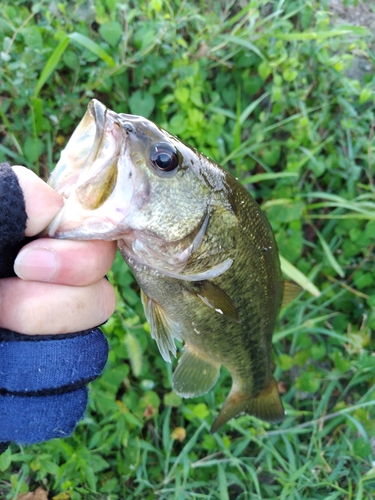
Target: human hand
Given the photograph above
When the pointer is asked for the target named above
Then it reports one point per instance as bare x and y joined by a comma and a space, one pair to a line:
60, 286
60, 289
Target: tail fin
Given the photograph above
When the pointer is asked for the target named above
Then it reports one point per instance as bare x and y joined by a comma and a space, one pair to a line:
266, 406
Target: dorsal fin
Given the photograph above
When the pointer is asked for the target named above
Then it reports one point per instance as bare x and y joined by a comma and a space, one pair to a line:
291, 291
163, 329
213, 296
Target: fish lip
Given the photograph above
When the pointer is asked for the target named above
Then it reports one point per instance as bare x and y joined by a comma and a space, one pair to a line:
80, 150
103, 229
99, 113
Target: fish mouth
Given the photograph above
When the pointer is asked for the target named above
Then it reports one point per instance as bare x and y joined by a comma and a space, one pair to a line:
86, 176
93, 147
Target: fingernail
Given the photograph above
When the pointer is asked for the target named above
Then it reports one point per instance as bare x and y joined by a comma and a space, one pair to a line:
36, 264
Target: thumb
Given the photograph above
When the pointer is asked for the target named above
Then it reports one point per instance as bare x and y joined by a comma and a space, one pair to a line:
42, 202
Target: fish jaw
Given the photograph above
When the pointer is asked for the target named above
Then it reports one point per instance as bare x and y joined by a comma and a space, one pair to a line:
109, 221
96, 176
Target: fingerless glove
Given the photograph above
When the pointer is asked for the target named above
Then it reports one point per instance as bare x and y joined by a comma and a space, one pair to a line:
43, 378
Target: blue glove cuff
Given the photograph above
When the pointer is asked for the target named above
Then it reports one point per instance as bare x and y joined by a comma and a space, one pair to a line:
40, 418
42, 379
50, 363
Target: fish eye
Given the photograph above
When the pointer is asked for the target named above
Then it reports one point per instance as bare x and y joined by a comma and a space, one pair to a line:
164, 157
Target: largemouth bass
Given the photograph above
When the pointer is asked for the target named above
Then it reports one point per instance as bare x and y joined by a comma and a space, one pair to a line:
199, 246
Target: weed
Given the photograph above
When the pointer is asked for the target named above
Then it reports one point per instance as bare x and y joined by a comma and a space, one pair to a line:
263, 88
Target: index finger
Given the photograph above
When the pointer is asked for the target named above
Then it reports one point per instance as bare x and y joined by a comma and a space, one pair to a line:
42, 202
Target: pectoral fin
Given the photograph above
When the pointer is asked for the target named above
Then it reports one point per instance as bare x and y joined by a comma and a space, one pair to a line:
291, 291
266, 406
194, 375
163, 329
214, 297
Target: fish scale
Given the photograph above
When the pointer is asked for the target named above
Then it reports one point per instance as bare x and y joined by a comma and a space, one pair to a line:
199, 246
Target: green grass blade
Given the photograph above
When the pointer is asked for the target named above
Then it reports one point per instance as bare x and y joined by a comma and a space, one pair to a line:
319, 421
8, 152
250, 108
326, 196
37, 115
316, 35
51, 64
306, 325
5, 120
92, 47
268, 176
242, 150
331, 258
311, 154
223, 485
186, 449
242, 42
295, 275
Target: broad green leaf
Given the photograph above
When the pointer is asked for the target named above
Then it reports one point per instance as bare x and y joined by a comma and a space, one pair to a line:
290, 75
111, 32
201, 411
141, 103
365, 95
264, 70
5, 459
33, 148
32, 36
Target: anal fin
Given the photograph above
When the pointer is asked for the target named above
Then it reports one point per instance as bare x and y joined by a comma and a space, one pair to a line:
266, 406
291, 291
163, 329
194, 374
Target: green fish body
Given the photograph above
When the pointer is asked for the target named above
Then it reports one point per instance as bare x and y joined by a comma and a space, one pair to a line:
197, 243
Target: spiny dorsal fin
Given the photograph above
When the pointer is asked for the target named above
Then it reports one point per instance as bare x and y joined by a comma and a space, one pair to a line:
213, 296
194, 374
291, 291
266, 406
163, 329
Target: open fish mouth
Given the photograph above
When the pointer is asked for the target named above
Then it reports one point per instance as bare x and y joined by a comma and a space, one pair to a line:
87, 174
87, 163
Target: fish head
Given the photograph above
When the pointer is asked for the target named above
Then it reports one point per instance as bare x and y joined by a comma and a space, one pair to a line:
124, 178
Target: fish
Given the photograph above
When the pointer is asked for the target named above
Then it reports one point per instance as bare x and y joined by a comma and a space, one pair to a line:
199, 246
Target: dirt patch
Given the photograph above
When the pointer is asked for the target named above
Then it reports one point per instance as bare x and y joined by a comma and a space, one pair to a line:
361, 14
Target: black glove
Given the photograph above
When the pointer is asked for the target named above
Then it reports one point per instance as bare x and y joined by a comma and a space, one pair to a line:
43, 378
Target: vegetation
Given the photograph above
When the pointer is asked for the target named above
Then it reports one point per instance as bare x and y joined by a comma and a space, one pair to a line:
263, 88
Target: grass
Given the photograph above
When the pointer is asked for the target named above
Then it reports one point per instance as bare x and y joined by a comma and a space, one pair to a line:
264, 90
